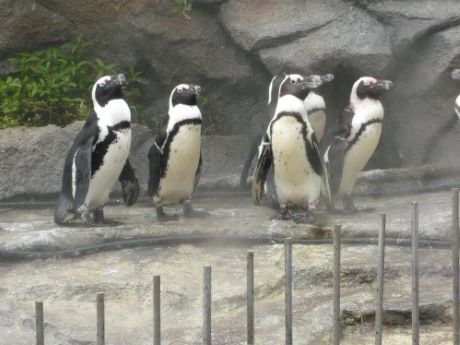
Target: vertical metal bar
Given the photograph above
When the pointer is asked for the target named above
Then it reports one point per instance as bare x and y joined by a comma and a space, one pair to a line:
288, 288
39, 326
415, 290
100, 319
207, 305
455, 267
156, 310
336, 277
250, 298
380, 280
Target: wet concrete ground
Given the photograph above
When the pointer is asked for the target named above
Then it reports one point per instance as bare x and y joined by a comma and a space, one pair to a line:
68, 287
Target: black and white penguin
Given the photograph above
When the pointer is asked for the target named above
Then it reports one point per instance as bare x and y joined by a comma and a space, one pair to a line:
456, 76
175, 156
316, 111
98, 157
291, 146
357, 138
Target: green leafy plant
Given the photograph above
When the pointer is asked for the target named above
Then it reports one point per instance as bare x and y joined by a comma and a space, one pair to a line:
52, 86
183, 7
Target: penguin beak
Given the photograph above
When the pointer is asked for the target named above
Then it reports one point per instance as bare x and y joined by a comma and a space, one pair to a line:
384, 84
312, 81
456, 74
326, 78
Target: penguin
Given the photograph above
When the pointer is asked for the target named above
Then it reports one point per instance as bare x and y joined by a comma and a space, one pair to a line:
290, 145
316, 111
357, 138
98, 157
456, 76
175, 156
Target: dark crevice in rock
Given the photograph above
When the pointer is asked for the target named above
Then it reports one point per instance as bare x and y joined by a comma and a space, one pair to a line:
430, 314
271, 42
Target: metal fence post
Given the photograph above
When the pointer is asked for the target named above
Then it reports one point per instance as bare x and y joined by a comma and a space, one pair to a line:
455, 267
380, 280
207, 305
415, 279
156, 310
39, 324
336, 278
288, 289
100, 319
250, 298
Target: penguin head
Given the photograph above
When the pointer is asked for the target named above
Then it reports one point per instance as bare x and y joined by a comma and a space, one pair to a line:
184, 94
108, 88
299, 86
369, 87
456, 74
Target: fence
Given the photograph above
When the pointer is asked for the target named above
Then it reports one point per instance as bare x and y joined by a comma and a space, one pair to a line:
207, 290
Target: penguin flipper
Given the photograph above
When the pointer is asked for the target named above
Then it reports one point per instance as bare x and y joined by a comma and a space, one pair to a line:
155, 155
248, 162
334, 160
129, 184
198, 173
345, 121
262, 168
82, 172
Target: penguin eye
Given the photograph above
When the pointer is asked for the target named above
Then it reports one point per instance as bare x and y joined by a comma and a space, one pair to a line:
293, 81
102, 84
179, 90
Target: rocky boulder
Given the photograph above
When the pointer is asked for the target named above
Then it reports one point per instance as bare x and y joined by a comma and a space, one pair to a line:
26, 25
310, 36
232, 48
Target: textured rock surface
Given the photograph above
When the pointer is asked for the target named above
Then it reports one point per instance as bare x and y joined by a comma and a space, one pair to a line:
33, 160
232, 47
26, 24
68, 286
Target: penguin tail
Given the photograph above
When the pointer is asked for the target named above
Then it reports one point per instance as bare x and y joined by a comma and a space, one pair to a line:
64, 212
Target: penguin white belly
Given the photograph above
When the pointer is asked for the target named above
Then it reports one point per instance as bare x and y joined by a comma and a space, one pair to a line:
295, 181
318, 123
358, 156
183, 160
101, 183
457, 106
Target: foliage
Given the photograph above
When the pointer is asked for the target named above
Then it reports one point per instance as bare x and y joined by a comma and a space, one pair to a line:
183, 7
52, 86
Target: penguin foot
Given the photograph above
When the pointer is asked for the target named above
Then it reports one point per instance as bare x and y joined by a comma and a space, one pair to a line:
308, 218
87, 219
285, 214
163, 217
189, 212
196, 214
65, 220
99, 219
109, 222
167, 218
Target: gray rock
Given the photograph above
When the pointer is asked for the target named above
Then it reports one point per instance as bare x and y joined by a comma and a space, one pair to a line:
261, 24
68, 286
412, 20
422, 101
33, 160
307, 37
27, 25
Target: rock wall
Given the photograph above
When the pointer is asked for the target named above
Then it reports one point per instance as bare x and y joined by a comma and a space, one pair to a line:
232, 48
